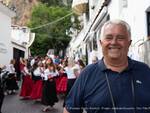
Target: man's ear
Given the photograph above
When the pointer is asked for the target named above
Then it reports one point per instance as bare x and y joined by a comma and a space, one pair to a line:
100, 42
130, 42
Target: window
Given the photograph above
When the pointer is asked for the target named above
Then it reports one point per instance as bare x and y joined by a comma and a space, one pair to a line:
148, 23
95, 42
90, 46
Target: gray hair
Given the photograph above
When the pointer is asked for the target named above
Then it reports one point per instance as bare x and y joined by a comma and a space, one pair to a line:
117, 22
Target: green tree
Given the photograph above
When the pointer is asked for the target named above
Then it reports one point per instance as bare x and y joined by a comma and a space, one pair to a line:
49, 35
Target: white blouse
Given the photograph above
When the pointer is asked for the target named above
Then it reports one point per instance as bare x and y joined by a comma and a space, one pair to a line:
37, 72
48, 73
70, 72
10, 68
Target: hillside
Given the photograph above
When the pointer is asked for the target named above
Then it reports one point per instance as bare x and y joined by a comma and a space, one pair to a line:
23, 10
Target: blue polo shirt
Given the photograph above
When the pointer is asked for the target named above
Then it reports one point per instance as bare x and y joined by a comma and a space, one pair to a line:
91, 92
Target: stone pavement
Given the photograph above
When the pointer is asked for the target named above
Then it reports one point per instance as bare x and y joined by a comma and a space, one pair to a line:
13, 104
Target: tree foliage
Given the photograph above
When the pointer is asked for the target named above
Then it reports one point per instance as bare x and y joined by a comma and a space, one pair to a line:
51, 35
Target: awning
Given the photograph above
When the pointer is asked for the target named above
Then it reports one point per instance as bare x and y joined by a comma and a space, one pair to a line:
80, 6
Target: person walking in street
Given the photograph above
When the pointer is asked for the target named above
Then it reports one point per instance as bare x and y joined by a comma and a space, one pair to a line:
11, 83
72, 73
37, 86
49, 95
27, 83
114, 84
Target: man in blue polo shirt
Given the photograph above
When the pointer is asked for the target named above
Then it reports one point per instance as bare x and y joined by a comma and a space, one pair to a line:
116, 83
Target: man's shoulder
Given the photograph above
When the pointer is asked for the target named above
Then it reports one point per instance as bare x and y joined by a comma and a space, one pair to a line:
91, 70
141, 71
92, 66
138, 65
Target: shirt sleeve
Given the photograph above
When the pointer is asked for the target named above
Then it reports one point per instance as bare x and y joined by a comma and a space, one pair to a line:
45, 74
26, 71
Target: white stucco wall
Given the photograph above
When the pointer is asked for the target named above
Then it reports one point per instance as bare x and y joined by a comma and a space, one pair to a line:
134, 14
20, 34
5, 33
132, 11
22, 38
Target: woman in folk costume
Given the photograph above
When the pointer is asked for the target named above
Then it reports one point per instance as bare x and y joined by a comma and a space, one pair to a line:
37, 81
27, 82
11, 83
72, 73
49, 95
21, 65
61, 84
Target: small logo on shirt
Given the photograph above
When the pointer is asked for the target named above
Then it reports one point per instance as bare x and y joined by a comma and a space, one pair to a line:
138, 82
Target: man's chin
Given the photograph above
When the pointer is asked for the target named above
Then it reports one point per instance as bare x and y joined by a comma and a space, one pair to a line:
115, 57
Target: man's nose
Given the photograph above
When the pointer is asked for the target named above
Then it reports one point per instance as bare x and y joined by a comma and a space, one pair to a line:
114, 41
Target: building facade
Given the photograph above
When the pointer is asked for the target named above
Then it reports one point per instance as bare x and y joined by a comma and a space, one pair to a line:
6, 52
14, 40
21, 39
95, 12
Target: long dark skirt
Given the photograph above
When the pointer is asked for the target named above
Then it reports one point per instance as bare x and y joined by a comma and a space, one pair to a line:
49, 95
69, 86
11, 83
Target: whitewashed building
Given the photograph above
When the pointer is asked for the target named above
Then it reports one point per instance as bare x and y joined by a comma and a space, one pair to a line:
95, 12
14, 40
21, 40
6, 52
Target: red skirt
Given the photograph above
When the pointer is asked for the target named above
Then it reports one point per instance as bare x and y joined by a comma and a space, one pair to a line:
62, 86
57, 81
26, 87
37, 90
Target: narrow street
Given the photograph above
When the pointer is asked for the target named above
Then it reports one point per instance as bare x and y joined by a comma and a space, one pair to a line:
13, 104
